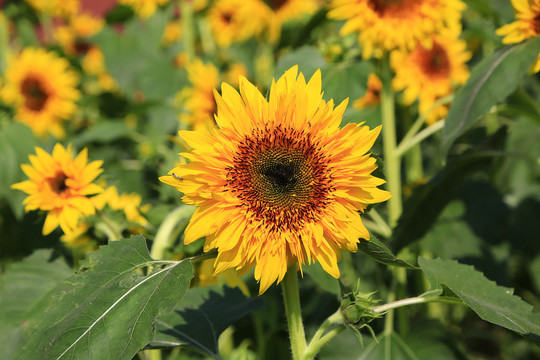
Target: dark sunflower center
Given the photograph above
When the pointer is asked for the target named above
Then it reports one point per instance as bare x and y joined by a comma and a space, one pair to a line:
282, 178
58, 183
380, 6
35, 96
277, 4
536, 24
436, 61
227, 17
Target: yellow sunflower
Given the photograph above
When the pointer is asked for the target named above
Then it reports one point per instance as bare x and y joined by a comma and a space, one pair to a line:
61, 8
373, 93
232, 21
60, 185
275, 13
525, 27
73, 36
384, 25
429, 74
198, 100
43, 88
279, 181
144, 8
130, 204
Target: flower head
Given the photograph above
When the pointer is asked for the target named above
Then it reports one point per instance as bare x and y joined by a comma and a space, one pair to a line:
144, 8
428, 74
525, 27
62, 8
60, 185
279, 181
43, 89
232, 21
384, 25
373, 93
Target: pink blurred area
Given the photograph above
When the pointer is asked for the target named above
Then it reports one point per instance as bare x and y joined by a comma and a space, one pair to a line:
94, 7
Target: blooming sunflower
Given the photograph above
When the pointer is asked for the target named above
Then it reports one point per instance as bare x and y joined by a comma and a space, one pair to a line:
130, 204
61, 8
278, 182
144, 8
199, 100
428, 74
43, 89
275, 13
526, 26
384, 25
232, 21
60, 185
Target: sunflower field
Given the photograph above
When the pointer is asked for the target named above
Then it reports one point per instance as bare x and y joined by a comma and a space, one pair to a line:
269, 179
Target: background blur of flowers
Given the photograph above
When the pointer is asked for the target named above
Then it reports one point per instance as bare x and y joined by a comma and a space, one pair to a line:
92, 94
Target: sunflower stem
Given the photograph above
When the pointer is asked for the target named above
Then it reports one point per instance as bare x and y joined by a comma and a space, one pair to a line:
291, 298
406, 146
392, 161
5, 51
188, 34
164, 236
109, 228
321, 336
415, 300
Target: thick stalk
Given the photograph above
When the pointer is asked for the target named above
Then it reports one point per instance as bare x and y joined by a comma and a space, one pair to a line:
392, 162
164, 236
291, 298
188, 28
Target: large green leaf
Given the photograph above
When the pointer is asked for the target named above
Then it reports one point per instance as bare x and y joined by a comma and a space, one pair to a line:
109, 309
380, 252
492, 303
202, 316
491, 81
25, 292
308, 59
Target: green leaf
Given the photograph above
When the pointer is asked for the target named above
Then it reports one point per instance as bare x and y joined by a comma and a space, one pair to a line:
380, 252
491, 81
103, 132
308, 59
109, 309
25, 292
492, 303
202, 316
346, 80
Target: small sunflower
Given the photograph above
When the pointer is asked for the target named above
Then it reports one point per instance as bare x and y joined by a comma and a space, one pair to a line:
279, 181
74, 36
60, 8
384, 25
43, 89
275, 13
130, 204
373, 93
428, 74
144, 8
232, 21
60, 185
525, 27
198, 100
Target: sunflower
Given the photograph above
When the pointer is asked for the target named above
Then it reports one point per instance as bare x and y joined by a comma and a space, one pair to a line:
525, 27
43, 89
275, 13
198, 100
373, 93
130, 204
232, 21
60, 185
384, 25
73, 37
144, 8
61, 8
279, 181
428, 74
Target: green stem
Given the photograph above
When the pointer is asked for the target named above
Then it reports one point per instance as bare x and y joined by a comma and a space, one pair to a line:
188, 34
321, 336
391, 161
4, 42
164, 238
291, 298
383, 228
413, 301
407, 145
109, 228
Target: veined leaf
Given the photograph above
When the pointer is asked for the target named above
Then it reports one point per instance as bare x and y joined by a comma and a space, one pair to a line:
492, 303
202, 316
491, 81
109, 309
25, 292
380, 252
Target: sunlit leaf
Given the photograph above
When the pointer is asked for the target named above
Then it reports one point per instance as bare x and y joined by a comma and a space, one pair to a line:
492, 303
109, 309
380, 252
491, 81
